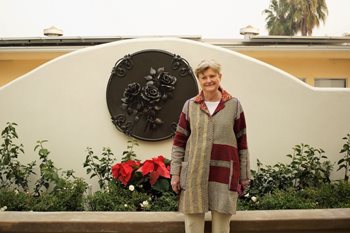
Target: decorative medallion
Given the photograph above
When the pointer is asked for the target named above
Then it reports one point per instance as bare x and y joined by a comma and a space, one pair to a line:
146, 92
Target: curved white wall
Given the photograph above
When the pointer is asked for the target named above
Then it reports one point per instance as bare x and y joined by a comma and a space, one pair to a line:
64, 102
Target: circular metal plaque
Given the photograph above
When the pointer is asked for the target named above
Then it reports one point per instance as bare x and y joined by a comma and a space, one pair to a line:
146, 92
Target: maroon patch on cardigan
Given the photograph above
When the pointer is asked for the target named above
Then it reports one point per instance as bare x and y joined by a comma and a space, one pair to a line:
239, 123
222, 174
242, 142
180, 140
183, 122
219, 174
222, 152
239, 126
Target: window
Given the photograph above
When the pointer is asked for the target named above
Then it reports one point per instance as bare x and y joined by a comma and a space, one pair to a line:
330, 82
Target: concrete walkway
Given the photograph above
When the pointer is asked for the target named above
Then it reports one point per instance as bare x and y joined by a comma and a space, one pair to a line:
276, 221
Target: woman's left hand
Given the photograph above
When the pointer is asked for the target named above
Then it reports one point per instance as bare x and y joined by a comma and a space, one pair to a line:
245, 183
175, 183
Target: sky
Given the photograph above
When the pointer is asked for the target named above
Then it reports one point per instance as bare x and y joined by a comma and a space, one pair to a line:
205, 18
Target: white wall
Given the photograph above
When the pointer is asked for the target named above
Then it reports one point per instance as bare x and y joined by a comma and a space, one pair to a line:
64, 102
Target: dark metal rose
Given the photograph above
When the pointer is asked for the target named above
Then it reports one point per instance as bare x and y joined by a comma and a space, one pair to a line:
150, 93
166, 79
119, 120
132, 90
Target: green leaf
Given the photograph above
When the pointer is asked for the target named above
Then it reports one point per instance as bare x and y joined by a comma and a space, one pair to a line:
36, 147
341, 166
162, 185
341, 161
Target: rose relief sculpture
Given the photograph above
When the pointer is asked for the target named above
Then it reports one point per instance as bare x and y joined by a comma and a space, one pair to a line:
146, 92
145, 101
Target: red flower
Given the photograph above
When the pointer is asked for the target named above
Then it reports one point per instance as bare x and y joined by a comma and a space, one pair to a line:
123, 171
155, 168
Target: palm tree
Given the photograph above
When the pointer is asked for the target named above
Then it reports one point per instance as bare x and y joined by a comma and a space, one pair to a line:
278, 18
288, 17
308, 14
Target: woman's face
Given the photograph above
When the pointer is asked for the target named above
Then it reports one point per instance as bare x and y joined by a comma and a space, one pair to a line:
209, 80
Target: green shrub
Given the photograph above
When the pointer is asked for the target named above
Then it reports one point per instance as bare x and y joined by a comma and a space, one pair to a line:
119, 198
288, 199
303, 183
12, 172
344, 163
100, 167
53, 191
167, 202
308, 168
333, 195
15, 200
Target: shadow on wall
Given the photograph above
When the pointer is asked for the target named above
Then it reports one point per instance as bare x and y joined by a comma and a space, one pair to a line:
64, 101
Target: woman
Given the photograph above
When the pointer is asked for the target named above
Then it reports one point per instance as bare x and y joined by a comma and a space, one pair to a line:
210, 155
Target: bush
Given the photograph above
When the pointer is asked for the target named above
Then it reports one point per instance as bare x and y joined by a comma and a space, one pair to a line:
67, 197
333, 195
118, 198
344, 163
308, 168
12, 172
53, 191
132, 185
15, 200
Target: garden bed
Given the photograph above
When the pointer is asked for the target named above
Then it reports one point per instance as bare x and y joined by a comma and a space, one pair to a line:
272, 221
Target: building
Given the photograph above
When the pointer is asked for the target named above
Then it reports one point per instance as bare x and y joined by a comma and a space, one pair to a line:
318, 61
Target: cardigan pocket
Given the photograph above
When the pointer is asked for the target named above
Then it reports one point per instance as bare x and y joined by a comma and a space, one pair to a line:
183, 175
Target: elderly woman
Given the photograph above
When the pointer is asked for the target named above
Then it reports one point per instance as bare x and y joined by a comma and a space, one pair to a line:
210, 155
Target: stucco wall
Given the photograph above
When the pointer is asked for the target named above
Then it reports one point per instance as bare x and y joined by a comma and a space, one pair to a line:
64, 102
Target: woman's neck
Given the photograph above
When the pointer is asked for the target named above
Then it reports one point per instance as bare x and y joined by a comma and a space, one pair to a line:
212, 96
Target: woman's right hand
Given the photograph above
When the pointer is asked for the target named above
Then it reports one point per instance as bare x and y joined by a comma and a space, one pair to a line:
175, 183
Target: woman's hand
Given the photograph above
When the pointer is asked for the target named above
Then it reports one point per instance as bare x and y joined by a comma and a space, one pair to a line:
175, 183
245, 183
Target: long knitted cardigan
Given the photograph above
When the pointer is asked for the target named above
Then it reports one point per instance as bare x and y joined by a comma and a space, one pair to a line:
210, 154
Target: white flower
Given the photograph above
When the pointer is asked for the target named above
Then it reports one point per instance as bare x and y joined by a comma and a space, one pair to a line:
144, 204
3, 208
247, 195
254, 199
16, 191
131, 188
125, 205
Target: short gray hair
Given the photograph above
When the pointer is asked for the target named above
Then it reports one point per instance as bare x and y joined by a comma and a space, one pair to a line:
207, 64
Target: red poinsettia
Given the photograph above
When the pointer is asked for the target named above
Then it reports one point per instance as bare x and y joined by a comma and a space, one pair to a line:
155, 167
123, 170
